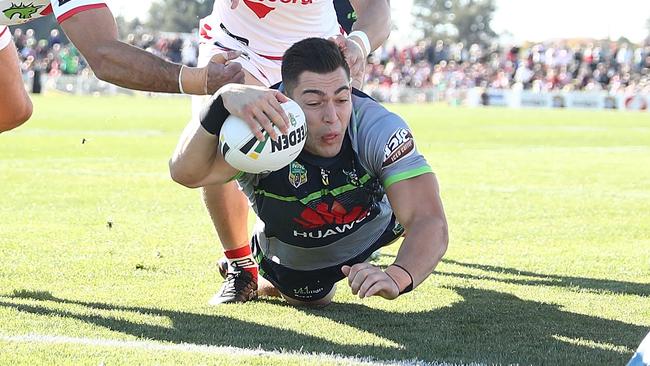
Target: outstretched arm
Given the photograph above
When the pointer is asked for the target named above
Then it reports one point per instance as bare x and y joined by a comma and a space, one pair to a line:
426, 241
423, 217
94, 33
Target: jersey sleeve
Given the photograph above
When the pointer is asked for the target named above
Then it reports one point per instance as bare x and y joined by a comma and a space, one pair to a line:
386, 145
64, 9
5, 36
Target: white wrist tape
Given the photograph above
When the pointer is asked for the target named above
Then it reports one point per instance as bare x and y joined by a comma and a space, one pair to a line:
364, 38
180, 80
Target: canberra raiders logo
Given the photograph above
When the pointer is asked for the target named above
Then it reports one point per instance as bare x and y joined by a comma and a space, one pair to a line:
23, 11
297, 174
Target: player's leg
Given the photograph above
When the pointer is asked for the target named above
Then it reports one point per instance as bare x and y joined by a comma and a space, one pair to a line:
15, 105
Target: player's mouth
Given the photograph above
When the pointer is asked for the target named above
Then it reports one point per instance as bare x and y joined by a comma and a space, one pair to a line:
330, 138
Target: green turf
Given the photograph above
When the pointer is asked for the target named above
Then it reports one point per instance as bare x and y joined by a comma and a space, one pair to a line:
548, 263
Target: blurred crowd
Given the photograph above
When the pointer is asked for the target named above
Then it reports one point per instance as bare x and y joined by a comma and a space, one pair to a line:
609, 66
549, 66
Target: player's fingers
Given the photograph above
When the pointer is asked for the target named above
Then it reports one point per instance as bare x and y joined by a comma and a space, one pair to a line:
370, 281
375, 289
223, 57
338, 40
254, 125
358, 280
276, 114
266, 124
346, 270
281, 97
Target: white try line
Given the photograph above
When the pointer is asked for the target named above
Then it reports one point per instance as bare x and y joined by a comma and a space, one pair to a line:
206, 349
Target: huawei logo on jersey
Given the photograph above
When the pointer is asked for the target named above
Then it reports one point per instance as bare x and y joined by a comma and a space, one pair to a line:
325, 214
262, 10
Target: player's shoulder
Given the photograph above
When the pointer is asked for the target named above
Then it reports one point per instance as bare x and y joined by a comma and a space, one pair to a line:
370, 118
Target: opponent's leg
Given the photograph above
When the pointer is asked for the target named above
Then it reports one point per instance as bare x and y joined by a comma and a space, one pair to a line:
228, 208
15, 105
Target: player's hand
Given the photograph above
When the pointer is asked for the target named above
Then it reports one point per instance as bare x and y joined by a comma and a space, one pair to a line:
233, 4
220, 71
355, 57
367, 280
257, 106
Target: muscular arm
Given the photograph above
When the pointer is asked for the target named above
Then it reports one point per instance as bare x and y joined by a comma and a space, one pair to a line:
196, 161
373, 18
423, 217
426, 241
94, 33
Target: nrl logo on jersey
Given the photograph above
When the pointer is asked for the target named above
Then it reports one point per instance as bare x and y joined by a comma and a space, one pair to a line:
297, 174
23, 11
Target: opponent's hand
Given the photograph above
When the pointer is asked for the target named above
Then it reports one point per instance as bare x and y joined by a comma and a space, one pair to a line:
257, 106
367, 280
220, 71
355, 57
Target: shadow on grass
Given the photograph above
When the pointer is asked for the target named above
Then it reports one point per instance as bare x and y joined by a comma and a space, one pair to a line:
486, 326
585, 284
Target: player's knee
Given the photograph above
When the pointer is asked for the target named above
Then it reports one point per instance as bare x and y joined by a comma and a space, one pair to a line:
18, 115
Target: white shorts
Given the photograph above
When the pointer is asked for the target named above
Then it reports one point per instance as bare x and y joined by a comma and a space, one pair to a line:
5, 36
213, 40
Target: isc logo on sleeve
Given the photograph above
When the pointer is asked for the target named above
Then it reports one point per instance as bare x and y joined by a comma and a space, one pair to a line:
399, 145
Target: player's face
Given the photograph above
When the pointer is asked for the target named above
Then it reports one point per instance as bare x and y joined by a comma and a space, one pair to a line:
327, 102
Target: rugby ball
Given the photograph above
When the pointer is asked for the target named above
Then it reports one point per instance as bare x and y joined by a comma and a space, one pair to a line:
244, 152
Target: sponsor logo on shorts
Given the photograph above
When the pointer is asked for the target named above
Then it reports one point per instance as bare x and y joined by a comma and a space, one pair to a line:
306, 292
399, 145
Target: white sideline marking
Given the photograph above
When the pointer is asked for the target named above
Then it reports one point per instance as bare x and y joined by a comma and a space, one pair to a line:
199, 348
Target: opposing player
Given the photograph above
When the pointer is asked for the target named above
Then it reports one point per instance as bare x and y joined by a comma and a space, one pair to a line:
358, 185
90, 25
263, 31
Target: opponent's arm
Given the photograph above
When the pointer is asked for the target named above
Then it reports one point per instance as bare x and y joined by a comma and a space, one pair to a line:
369, 31
197, 161
373, 18
94, 33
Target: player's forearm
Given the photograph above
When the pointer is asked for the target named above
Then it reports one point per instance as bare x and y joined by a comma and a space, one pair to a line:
423, 248
133, 68
194, 156
373, 18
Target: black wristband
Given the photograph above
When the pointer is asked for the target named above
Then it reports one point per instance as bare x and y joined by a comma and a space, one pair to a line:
213, 115
408, 288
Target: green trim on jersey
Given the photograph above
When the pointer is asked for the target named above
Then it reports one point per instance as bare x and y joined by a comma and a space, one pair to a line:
236, 176
323, 192
406, 175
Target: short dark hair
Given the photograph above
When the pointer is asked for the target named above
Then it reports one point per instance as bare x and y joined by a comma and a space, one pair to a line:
316, 55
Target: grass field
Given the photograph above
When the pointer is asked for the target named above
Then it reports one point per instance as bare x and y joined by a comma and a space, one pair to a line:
548, 262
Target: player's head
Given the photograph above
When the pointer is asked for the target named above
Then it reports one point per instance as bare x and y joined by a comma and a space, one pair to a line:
316, 75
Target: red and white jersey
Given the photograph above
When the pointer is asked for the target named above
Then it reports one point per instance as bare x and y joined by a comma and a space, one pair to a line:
270, 27
14, 12
5, 36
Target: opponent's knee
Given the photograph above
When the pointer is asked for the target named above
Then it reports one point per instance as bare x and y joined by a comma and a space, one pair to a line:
17, 116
